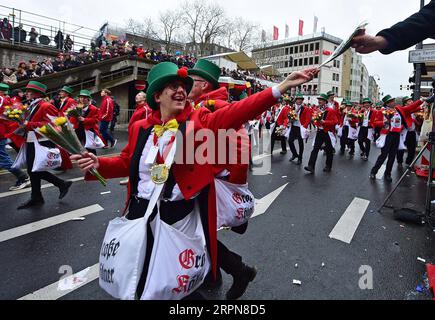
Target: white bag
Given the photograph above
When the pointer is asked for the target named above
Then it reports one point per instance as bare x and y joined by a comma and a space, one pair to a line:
234, 202
287, 133
370, 134
380, 142
333, 139
46, 158
93, 141
122, 257
340, 132
403, 134
21, 159
179, 261
305, 133
353, 133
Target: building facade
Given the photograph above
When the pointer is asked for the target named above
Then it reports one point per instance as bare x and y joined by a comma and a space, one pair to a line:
206, 49
373, 90
299, 53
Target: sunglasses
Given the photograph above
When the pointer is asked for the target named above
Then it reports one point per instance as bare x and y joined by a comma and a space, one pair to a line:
175, 85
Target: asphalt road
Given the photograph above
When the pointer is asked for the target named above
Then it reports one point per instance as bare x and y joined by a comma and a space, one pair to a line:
294, 230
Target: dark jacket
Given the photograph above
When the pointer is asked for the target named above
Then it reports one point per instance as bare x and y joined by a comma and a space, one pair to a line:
411, 31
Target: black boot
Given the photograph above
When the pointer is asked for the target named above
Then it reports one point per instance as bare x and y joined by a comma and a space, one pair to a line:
33, 202
309, 168
64, 189
299, 162
210, 284
388, 178
241, 282
293, 157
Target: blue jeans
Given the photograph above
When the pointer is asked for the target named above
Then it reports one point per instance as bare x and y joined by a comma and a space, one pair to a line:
104, 126
6, 162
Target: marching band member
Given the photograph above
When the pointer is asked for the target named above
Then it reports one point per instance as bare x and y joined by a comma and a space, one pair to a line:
167, 95
278, 134
325, 128
410, 139
298, 128
365, 135
66, 102
348, 124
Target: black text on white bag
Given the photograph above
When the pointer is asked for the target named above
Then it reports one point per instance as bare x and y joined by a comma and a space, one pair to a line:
179, 261
46, 158
235, 203
122, 257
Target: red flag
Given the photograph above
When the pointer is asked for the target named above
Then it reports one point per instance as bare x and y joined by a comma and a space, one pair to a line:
301, 27
275, 33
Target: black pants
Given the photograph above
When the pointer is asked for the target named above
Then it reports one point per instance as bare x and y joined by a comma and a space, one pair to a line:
345, 141
36, 177
322, 138
411, 145
295, 134
389, 150
363, 141
275, 137
377, 134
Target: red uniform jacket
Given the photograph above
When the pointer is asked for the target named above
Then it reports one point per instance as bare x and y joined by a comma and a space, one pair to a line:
331, 120
238, 171
191, 178
372, 118
106, 109
66, 104
142, 112
305, 116
353, 121
283, 117
4, 124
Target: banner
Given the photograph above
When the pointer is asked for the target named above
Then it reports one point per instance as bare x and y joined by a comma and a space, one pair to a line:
275, 33
286, 31
301, 27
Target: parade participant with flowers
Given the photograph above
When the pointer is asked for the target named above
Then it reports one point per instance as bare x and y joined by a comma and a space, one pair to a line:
366, 125
348, 128
185, 184
396, 119
38, 116
410, 138
325, 119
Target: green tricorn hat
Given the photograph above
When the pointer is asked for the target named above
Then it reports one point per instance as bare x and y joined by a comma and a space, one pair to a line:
4, 88
67, 89
161, 75
323, 96
405, 99
85, 93
367, 100
330, 93
299, 96
243, 95
207, 70
348, 103
37, 86
387, 99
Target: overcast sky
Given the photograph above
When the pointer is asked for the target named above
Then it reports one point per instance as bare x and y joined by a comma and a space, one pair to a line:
338, 17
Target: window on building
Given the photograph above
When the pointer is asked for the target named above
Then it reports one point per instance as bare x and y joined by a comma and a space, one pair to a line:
316, 60
338, 77
296, 49
306, 47
338, 64
301, 62
286, 64
291, 50
286, 51
305, 61
311, 61
317, 45
301, 48
295, 63
333, 77
316, 76
311, 46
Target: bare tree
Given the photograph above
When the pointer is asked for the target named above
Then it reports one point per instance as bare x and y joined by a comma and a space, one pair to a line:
170, 21
143, 30
244, 34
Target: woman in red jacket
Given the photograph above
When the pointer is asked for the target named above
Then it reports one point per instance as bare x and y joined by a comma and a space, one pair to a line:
186, 182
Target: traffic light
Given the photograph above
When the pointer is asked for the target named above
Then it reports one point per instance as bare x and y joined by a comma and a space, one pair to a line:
401, 87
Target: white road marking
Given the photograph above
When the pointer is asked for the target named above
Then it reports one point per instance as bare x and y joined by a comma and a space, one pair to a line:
261, 205
46, 223
346, 227
264, 155
48, 185
380, 174
58, 289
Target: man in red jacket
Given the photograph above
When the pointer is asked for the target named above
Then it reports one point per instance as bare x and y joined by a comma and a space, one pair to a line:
142, 110
298, 128
324, 136
105, 116
39, 116
332, 103
410, 140
395, 120
366, 125
281, 121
